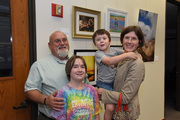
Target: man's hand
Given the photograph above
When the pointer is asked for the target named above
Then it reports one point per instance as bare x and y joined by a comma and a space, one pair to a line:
54, 102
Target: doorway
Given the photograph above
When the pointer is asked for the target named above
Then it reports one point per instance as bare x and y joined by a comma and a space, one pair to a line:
171, 61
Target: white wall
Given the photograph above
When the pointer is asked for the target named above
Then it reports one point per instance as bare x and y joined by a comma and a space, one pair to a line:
152, 90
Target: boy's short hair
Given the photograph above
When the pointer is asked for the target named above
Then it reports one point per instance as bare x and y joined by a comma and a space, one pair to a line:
101, 32
70, 64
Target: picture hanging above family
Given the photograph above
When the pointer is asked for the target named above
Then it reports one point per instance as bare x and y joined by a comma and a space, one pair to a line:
148, 22
89, 57
118, 47
85, 22
116, 21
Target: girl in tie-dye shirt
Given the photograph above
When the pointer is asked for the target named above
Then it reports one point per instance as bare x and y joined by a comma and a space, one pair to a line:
81, 100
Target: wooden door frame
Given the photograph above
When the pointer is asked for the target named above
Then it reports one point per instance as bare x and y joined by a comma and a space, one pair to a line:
32, 31
32, 47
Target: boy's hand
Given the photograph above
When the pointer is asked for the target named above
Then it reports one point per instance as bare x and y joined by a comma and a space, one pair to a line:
140, 55
99, 91
131, 55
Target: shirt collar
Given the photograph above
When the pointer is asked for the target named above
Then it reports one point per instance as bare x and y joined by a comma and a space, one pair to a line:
59, 60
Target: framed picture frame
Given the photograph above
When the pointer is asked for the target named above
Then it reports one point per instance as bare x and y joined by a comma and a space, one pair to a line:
116, 21
119, 47
85, 22
89, 56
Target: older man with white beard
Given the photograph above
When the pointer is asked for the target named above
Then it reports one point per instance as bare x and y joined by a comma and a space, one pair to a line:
47, 75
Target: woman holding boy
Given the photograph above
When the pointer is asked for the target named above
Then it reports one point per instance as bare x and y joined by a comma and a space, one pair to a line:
130, 73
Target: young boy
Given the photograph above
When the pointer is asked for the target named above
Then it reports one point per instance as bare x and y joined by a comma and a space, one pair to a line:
81, 100
106, 59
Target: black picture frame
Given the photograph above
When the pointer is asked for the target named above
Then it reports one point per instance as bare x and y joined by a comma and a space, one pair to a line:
89, 56
117, 47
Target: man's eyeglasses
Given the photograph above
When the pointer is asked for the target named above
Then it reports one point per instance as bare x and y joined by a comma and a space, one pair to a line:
60, 41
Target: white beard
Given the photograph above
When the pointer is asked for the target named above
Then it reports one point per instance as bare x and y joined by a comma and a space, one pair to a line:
63, 53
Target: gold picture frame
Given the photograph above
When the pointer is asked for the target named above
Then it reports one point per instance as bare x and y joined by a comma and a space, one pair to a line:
85, 22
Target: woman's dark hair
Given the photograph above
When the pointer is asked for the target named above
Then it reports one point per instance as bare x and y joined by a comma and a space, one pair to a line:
137, 30
101, 32
70, 64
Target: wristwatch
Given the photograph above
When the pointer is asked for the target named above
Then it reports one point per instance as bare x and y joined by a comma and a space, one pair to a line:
45, 100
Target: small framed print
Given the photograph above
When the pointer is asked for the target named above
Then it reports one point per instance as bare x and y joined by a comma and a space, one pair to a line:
116, 21
84, 22
89, 57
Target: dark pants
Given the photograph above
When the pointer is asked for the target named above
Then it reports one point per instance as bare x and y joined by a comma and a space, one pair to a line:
43, 117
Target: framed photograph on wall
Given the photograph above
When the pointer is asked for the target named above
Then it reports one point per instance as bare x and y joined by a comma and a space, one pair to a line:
116, 21
89, 56
119, 47
147, 21
85, 22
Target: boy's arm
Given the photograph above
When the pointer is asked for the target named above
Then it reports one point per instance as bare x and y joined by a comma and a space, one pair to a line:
114, 60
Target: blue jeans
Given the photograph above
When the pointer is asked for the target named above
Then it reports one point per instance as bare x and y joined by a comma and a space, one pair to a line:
107, 86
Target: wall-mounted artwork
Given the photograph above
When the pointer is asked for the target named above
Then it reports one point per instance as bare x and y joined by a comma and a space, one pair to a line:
89, 56
85, 22
148, 22
118, 47
57, 10
116, 21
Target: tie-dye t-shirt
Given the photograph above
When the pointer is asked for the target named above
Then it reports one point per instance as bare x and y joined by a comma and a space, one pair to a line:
79, 104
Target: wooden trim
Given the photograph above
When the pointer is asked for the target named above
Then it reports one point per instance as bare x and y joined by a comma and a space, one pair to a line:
7, 78
32, 31
32, 47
